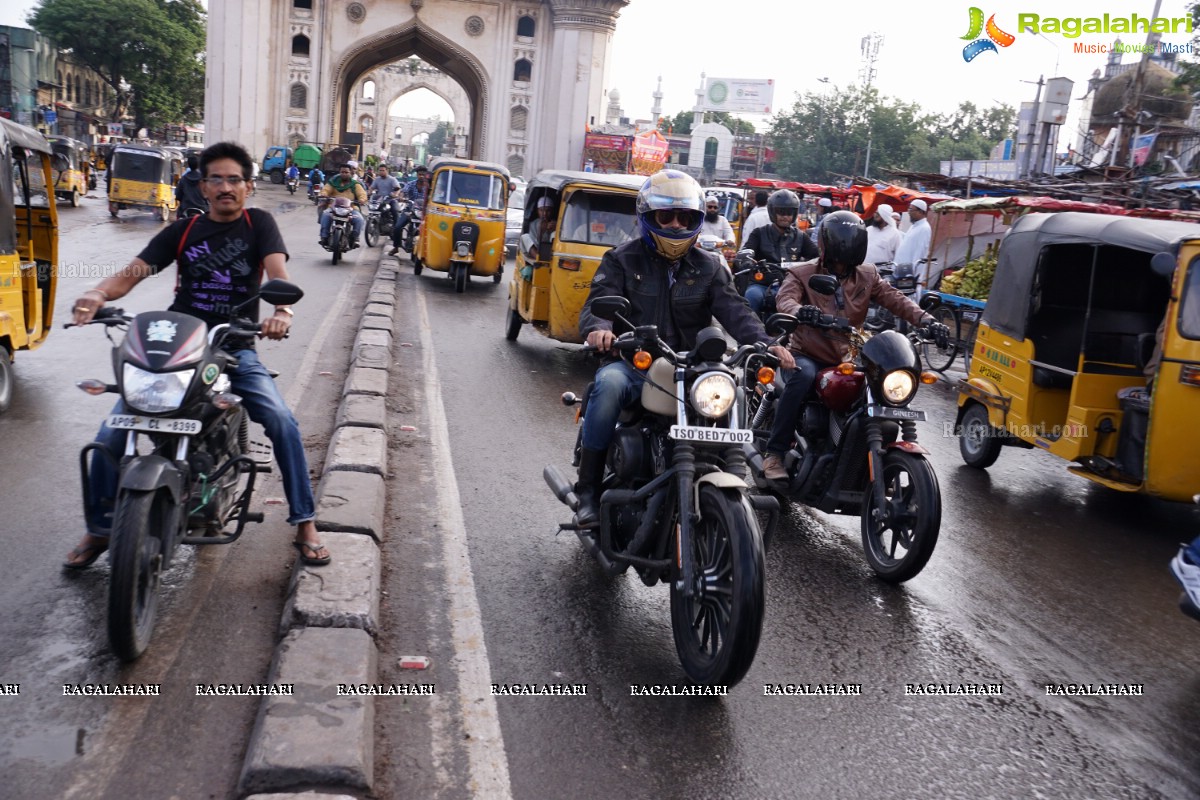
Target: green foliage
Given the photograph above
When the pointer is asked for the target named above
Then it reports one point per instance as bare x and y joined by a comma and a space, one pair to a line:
438, 138
156, 46
825, 135
681, 123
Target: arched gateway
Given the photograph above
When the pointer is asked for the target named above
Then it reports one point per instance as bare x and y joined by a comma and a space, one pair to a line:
532, 70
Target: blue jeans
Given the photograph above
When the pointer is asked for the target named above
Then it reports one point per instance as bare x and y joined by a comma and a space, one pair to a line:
787, 407
618, 385
327, 221
261, 399
756, 296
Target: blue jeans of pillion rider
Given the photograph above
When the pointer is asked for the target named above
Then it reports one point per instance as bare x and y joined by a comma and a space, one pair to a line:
617, 386
355, 218
798, 384
261, 399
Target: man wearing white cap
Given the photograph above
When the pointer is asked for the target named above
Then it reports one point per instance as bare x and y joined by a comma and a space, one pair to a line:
714, 223
915, 247
882, 236
824, 208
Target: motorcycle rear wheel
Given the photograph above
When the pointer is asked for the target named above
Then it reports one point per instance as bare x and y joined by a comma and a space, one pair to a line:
914, 518
136, 558
718, 629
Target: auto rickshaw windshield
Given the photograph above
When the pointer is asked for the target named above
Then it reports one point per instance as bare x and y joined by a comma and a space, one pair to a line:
1189, 302
469, 189
36, 182
600, 219
131, 165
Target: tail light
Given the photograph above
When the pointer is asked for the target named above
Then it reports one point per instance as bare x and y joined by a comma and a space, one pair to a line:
1190, 374
570, 264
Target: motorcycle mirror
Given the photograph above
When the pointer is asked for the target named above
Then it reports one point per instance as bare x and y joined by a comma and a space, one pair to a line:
1163, 265
781, 323
823, 284
610, 307
280, 293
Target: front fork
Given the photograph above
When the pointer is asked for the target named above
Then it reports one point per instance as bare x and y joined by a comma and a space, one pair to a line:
875, 453
685, 465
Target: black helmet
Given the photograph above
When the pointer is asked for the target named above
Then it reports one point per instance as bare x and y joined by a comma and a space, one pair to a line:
842, 242
783, 200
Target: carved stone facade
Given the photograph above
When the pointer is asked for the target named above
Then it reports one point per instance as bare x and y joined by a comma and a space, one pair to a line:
530, 74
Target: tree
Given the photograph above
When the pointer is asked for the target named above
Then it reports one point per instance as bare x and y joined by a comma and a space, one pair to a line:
825, 136
155, 47
681, 123
437, 139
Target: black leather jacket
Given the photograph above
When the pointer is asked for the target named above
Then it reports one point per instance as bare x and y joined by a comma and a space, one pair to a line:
793, 245
702, 290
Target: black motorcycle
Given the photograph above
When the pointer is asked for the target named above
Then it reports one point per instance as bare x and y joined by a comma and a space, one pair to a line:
675, 504
856, 449
184, 472
408, 234
341, 229
749, 271
371, 227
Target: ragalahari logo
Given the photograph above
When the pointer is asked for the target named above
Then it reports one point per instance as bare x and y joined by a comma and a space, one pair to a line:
995, 36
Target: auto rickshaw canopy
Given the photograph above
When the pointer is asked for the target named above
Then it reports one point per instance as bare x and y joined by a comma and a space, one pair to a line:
14, 137
1008, 305
135, 162
552, 182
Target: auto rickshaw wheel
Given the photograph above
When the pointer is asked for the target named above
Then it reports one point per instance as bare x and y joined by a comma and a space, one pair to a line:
164, 213
6, 379
978, 442
461, 278
74, 198
417, 266
499, 274
512, 324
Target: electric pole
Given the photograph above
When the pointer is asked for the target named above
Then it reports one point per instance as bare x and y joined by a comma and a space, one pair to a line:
870, 54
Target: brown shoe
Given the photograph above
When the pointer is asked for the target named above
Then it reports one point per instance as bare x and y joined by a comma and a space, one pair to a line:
773, 469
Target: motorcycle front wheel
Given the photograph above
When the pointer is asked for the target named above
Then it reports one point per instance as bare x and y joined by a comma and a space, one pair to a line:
371, 233
717, 629
139, 520
335, 244
899, 545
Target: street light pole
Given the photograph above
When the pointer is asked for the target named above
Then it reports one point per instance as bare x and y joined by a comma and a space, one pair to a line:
1027, 155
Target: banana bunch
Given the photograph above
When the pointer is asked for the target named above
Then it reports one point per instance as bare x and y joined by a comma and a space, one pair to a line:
974, 280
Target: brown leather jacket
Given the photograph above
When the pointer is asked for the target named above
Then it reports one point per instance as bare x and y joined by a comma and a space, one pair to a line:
860, 290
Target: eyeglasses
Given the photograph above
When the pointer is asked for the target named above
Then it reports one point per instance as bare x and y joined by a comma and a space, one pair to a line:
711, 208
217, 180
684, 216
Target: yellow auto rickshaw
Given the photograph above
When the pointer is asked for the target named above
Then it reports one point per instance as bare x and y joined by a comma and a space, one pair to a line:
144, 177
591, 213
28, 246
1082, 308
732, 202
71, 169
462, 232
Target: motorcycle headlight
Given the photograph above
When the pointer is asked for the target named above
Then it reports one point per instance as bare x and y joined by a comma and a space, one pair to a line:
713, 394
154, 392
899, 387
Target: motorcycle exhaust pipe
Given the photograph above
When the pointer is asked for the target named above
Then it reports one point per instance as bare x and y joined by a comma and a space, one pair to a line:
563, 489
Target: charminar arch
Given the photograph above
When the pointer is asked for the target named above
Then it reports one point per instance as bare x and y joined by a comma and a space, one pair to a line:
532, 72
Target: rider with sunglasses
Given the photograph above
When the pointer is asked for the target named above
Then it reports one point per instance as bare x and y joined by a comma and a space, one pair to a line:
670, 284
780, 243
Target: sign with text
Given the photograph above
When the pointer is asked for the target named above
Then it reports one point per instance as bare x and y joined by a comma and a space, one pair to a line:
737, 95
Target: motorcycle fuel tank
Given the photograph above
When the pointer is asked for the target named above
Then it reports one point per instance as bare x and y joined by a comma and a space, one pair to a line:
838, 392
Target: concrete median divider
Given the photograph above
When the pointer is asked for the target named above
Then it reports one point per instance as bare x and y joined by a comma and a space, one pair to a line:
319, 737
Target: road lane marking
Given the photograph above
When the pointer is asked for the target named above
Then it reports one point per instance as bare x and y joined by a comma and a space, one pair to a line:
487, 759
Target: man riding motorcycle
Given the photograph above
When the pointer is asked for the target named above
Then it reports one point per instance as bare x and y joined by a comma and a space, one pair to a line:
344, 184
671, 284
781, 242
842, 246
415, 192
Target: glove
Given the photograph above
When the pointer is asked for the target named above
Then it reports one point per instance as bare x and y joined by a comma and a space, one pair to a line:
939, 333
808, 315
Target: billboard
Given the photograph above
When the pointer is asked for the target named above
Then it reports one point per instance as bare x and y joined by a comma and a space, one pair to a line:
736, 95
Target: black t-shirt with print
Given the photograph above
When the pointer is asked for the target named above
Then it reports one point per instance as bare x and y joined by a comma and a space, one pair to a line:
220, 263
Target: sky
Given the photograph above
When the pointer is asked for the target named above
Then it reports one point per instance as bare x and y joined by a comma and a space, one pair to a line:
920, 58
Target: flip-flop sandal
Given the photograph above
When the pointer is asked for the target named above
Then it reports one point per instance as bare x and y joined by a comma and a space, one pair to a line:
91, 551
313, 547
